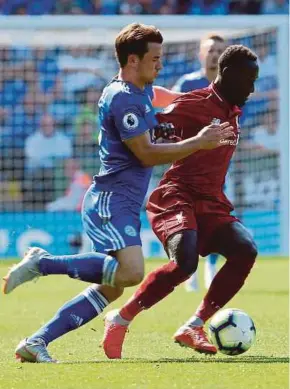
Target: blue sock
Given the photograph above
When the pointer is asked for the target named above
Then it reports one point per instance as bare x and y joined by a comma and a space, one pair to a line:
90, 267
75, 313
212, 258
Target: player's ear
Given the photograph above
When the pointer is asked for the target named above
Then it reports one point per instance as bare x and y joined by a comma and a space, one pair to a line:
133, 60
225, 71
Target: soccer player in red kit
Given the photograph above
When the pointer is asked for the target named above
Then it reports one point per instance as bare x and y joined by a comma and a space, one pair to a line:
189, 212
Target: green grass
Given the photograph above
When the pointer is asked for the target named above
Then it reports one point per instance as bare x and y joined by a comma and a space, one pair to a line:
151, 359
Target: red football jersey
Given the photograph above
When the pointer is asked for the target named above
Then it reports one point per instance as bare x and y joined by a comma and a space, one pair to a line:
202, 173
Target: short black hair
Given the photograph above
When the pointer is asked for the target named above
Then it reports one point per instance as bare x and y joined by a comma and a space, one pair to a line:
235, 55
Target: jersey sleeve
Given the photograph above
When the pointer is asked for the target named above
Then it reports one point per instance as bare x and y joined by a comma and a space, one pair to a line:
128, 117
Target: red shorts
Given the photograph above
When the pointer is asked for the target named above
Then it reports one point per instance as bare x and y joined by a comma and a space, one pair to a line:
171, 209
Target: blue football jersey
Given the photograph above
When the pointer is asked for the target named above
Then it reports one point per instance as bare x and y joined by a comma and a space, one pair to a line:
191, 81
125, 111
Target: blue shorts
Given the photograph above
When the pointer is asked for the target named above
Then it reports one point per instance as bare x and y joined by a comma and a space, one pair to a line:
111, 220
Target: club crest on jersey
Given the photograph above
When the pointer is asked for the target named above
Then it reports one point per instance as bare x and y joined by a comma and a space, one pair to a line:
130, 231
130, 121
216, 121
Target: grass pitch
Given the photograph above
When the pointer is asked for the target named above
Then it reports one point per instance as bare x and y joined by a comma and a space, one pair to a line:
151, 359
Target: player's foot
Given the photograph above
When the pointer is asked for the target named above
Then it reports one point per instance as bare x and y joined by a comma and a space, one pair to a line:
191, 285
33, 352
114, 336
196, 338
25, 270
209, 273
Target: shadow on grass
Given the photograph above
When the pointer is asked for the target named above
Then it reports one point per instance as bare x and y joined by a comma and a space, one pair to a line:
205, 359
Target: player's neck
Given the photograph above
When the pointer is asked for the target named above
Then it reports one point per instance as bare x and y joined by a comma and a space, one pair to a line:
222, 91
210, 74
129, 75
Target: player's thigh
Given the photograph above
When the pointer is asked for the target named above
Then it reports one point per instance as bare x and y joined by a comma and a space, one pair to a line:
111, 221
170, 212
234, 240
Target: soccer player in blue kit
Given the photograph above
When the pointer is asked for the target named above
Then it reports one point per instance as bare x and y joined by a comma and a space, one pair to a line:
111, 207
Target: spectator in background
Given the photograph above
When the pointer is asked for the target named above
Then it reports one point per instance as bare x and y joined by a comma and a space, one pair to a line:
43, 150
46, 145
80, 71
275, 7
211, 47
247, 7
209, 7
85, 146
67, 7
265, 137
105, 7
79, 182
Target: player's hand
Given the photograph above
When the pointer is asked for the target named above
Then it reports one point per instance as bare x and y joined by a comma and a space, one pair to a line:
215, 135
163, 131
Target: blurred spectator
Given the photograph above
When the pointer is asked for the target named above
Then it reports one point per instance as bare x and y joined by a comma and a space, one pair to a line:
208, 7
85, 144
79, 182
105, 7
79, 70
130, 7
266, 137
67, 7
210, 49
45, 145
249, 7
275, 7
88, 109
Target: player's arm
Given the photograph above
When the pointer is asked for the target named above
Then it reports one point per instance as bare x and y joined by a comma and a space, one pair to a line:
158, 154
163, 97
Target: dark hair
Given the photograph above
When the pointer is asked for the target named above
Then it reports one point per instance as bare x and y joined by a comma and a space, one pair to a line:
134, 39
235, 55
212, 36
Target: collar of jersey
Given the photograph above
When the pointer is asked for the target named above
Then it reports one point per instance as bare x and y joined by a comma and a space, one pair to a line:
233, 110
133, 87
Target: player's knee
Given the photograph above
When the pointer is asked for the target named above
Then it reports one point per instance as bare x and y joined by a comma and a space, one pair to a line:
130, 278
182, 249
247, 253
248, 250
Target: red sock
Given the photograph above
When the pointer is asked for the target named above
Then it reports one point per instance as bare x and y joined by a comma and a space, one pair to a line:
154, 288
227, 282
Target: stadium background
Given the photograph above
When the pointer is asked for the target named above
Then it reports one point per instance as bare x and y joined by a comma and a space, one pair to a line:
52, 71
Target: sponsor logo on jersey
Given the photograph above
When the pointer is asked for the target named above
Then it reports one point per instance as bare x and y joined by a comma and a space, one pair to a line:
130, 231
130, 121
147, 108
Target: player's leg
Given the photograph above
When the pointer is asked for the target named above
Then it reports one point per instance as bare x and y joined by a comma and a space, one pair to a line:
81, 309
108, 234
234, 242
182, 251
90, 303
210, 269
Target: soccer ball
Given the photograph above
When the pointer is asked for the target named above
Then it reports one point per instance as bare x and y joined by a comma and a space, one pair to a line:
232, 331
